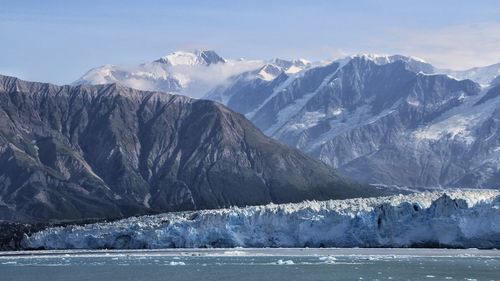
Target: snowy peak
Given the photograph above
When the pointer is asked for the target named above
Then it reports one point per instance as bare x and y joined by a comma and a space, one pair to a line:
412, 63
291, 66
276, 66
487, 75
483, 75
384, 59
269, 72
192, 58
99, 75
211, 57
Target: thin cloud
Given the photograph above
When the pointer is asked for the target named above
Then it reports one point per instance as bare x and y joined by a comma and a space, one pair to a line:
455, 47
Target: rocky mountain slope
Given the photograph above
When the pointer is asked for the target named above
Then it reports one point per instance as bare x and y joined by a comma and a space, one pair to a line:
383, 120
72, 152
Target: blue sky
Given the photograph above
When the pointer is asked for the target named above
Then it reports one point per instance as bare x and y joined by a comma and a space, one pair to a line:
58, 41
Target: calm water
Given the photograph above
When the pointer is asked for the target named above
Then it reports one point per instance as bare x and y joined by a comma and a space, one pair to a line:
253, 264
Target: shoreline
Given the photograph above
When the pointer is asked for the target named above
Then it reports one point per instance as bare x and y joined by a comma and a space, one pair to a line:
256, 252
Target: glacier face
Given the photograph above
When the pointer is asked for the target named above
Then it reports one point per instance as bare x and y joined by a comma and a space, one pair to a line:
458, 218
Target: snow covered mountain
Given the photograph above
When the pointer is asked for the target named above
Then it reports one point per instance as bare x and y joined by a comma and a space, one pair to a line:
380, 119
483, 75
192, 58
188, 73
244, 92
460, 218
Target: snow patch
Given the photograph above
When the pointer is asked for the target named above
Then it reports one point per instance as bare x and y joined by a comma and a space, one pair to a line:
145, 202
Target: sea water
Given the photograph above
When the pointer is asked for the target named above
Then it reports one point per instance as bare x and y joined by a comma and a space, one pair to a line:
252, 264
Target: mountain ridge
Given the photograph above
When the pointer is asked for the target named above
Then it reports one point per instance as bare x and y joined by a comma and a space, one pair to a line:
339, 113
370, 106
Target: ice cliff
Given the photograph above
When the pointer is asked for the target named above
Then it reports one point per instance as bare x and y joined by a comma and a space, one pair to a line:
458, 218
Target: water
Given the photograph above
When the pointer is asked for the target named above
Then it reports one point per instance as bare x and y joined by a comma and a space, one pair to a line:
252, 264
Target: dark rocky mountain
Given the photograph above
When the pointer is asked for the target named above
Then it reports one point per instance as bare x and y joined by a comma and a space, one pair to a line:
73, 152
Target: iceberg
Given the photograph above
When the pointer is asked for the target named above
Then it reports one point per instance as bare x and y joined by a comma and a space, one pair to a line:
448, 218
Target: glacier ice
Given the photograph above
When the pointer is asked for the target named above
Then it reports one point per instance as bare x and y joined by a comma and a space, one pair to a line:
449, 218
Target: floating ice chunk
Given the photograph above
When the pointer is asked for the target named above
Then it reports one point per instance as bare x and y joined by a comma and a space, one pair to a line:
235, 253
328, 259
285, 262
177, 263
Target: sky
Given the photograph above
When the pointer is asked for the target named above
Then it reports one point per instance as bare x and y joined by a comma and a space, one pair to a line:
58, 41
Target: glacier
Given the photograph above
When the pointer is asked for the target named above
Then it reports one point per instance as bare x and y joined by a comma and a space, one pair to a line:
447, 218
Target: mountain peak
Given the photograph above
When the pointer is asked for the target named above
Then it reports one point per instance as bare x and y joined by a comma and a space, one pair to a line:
197, 57
269, 71
412, 63
292, 66
384, 59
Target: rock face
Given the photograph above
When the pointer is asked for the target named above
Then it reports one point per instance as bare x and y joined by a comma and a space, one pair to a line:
382, 120
73, 152
459, 218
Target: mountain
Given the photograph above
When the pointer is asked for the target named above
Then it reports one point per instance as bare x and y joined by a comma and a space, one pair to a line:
388, 120
189, 58
247, 90
482, 75
75, 152
450, 219
381, 120
182, 72
252, 89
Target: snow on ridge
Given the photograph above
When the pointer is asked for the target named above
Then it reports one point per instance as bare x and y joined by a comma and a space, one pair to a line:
181, 58
459, 123
187, 75
453, 218
196, 57
484, 75
384, 59
269, 72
